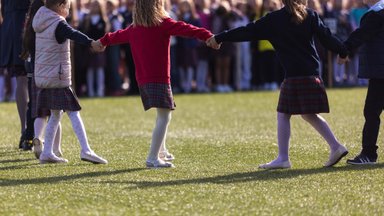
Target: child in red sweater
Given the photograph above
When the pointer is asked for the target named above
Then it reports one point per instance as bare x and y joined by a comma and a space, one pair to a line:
149, 38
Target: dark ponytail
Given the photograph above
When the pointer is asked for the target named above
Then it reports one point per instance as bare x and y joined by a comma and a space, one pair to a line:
29, 35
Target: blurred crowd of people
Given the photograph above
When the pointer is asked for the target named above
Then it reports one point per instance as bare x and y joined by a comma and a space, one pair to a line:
194, 67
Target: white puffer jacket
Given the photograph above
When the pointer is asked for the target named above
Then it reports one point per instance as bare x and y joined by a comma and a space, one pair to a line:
53, 60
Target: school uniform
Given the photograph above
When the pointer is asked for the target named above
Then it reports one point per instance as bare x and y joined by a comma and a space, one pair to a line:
52, 61
96, 30
13, 12
302, 91
151, 54
369, 38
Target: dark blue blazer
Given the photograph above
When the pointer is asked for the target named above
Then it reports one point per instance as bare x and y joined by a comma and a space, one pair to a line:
370, 38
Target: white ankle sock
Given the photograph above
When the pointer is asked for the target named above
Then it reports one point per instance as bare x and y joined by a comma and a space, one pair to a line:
78, 128
159, 133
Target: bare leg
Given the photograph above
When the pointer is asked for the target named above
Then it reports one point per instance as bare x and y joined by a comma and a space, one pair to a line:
22, 100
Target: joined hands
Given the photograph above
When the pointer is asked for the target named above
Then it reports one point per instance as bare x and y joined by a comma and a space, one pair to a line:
96, 46
211, 42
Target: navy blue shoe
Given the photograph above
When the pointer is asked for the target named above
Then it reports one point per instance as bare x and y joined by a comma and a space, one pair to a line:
361, 159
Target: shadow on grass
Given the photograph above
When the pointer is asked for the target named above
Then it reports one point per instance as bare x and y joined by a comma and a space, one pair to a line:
260, 175
56, 179
10, 153
17, 160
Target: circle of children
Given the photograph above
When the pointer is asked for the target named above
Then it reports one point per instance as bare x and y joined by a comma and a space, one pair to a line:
290, 33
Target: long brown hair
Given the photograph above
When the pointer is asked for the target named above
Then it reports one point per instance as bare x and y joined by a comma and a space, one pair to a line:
149, 13
297, 8
29, 34
102, 13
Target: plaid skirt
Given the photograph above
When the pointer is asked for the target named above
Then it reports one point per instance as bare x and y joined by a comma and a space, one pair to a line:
303, 95
157, 95
35, 111
58, 99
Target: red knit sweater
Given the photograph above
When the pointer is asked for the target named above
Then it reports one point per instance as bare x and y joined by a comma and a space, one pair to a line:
150, 47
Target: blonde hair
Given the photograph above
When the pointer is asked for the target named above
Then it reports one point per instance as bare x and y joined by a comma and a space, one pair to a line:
297, 8
149, 13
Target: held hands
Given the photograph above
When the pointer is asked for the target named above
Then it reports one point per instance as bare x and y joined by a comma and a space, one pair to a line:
211, 42
96, 46
341, 61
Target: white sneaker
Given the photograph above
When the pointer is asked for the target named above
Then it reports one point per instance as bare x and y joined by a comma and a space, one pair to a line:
92, 157
276, 165
37, 147
336, 156
158, 164
166, 156
51, 159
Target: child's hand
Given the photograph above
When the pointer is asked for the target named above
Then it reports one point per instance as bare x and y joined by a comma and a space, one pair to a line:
97, 46
341, 61
211, 42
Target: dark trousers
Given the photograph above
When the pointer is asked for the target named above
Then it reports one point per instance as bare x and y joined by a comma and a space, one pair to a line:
374, 105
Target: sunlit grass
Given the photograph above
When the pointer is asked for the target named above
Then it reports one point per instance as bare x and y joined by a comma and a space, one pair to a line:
218, 141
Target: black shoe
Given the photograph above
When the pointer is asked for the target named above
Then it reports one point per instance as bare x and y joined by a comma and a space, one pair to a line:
361, 159
21, 141
27, 145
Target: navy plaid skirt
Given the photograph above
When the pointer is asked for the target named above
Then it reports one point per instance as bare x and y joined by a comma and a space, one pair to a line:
157, 95
303, 95
58, 99
35, 111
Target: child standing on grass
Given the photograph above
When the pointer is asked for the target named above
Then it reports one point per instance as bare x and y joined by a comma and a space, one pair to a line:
291, 31
39, 116
149, 38
370, 36
53, 76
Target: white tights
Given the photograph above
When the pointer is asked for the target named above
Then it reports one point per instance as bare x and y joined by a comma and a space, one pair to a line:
159, 133
284, 133
39, 127
77, 125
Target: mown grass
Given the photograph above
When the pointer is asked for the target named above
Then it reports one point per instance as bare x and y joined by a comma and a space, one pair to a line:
218, 141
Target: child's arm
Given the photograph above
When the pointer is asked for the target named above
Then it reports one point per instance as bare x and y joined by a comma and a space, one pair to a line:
253, 31
180, 28
326, 38
65, 31
372, 24
114, 38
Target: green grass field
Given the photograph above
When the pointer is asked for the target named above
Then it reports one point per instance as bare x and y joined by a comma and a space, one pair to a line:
218, 141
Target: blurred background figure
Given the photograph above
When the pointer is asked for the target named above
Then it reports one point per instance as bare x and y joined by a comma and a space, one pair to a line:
130, 82
95, 26
14, 12
243, 72
357, 9
222, 20
187, 62
269, 67
113, 79
80, 52
203, 52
